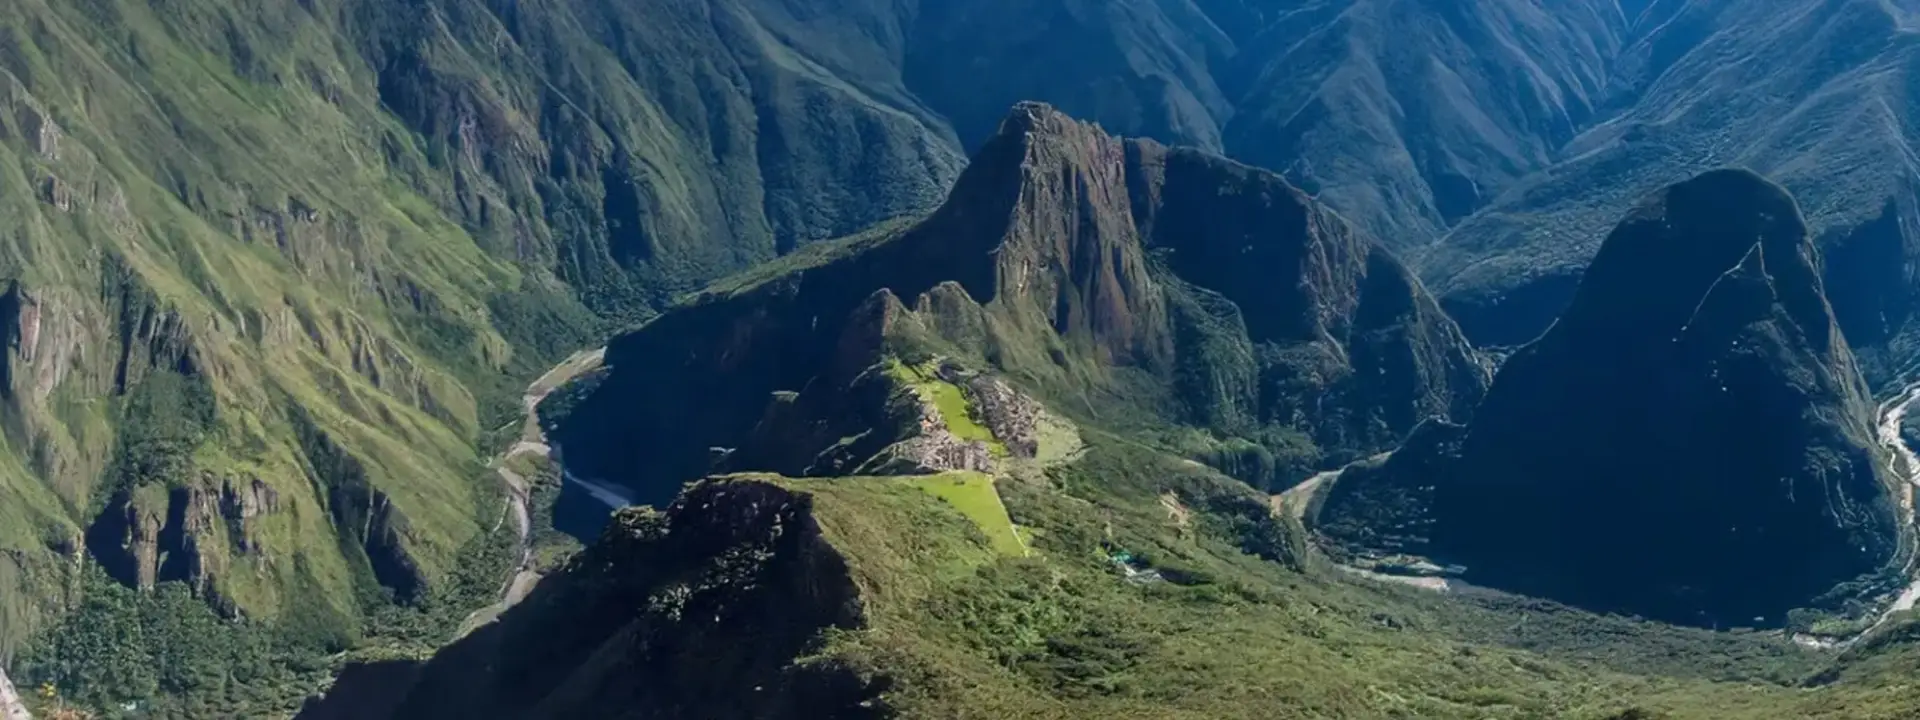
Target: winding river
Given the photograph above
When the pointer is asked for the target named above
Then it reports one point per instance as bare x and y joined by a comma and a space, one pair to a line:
533, 441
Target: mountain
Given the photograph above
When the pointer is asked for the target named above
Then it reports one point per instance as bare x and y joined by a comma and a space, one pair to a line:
1807, 92
979, 532
275, 274
1407, 116
333, 238
758, 612
1118, 277
431, 200
1692, 440
1410, 116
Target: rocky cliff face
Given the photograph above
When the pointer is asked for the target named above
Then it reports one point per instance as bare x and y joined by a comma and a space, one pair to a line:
190, 534
1125, 277
1691, 441
701, 611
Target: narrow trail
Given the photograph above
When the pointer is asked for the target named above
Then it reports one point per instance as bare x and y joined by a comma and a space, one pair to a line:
11, 706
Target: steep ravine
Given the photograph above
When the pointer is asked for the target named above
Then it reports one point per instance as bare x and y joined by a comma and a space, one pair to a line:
533, 441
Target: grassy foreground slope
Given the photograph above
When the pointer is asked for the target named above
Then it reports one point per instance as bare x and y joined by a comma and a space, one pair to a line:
1230, 634
869, 597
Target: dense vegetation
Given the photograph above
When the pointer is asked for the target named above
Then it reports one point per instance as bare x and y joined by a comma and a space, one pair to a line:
168, 654
1698, 390
1236, 619
277, 273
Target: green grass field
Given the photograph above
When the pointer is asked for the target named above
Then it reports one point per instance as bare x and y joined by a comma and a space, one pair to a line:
976, 632
973, 494
950, 401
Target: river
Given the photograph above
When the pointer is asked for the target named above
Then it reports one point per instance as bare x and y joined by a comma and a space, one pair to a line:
1905, 466
533, 441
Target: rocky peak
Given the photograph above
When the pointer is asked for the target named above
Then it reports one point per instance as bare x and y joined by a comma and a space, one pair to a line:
1046, 202
1654, 271
1691, 441
1094, 270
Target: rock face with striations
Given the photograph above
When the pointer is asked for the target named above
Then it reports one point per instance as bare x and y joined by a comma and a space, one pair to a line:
1691, 441
1116, 277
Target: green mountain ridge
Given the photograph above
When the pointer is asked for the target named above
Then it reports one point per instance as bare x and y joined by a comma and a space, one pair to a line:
1079, 264
276, 274
1139, 582
1807, 93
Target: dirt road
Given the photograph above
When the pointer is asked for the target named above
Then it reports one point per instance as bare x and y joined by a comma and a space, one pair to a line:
1295, 499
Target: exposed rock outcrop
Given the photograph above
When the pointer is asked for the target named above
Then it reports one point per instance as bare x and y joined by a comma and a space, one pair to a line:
125, 540
244, 502
11, 706
151, 535
372, 529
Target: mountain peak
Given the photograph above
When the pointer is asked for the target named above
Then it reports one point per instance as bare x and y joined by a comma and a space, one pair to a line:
1654, 451
1030, 117
1679, 246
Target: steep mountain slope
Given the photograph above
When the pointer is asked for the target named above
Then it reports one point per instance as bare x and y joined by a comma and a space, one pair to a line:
748, 559
1691, 441
329, 235
273, 271
1122, 279
1811, 93
1405, 115
1136, 585
348, 223
1409, 116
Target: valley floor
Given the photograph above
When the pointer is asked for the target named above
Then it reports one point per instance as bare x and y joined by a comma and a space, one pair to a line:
533, 442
